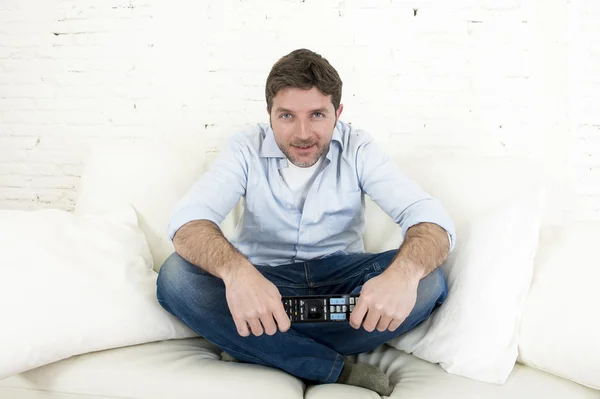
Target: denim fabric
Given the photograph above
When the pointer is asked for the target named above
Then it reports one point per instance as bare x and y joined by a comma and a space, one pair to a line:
312, 352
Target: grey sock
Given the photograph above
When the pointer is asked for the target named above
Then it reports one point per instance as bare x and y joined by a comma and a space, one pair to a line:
226, 357
366, 376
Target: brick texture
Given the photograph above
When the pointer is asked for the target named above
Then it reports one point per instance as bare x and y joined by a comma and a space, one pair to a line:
426, 76
584, 108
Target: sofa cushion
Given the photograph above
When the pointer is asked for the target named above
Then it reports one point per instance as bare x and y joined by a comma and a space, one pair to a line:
179, 369
190, 368
74, 284
416, 379
560, 328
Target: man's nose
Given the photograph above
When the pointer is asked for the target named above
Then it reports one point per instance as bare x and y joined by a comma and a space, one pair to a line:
303, 130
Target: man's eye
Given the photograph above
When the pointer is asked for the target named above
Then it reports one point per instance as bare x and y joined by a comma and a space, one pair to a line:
319, 115
285, 116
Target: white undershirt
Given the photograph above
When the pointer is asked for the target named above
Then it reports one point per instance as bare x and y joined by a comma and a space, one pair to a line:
299, 180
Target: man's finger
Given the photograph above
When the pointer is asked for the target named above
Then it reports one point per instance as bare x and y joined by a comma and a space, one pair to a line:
384, 323
242, 327
373, 316
283, 321
269, 324
255, 326
358, 314
395, 323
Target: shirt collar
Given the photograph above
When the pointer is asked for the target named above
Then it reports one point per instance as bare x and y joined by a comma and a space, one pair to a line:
270, 149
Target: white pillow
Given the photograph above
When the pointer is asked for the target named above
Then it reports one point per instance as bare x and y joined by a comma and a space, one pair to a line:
560, 331
152, 177
475, 332
75, 284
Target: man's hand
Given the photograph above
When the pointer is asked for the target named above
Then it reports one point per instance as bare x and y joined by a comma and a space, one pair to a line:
387, 300
254, 300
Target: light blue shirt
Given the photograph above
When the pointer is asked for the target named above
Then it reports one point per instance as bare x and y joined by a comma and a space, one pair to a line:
272, 231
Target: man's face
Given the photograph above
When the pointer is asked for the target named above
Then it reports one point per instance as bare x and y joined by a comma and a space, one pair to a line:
303, 123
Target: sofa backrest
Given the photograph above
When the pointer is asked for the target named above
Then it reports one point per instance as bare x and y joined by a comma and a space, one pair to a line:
154, 176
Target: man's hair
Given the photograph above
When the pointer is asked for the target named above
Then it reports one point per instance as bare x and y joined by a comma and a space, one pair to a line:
304, 69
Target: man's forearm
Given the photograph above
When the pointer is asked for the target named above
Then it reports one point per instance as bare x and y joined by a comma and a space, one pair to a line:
201, 243
425, 247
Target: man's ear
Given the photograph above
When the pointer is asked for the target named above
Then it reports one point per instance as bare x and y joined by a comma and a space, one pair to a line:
339, 111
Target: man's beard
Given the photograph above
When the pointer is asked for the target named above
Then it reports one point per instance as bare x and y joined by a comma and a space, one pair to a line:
304, 143
302, 163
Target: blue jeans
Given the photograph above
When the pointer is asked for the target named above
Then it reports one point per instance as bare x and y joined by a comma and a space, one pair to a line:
312, 351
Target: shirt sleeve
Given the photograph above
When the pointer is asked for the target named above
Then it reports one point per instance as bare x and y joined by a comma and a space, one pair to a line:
216, 192
397, 195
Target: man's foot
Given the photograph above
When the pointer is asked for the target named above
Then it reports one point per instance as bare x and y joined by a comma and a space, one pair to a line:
226, 357
366, 376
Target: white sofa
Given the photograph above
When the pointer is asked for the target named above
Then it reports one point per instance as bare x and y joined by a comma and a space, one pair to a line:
153, 177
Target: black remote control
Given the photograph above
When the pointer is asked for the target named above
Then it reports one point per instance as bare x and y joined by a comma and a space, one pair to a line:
319, 308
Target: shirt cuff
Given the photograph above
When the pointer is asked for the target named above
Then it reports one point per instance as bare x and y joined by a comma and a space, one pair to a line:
188, 214
430, 212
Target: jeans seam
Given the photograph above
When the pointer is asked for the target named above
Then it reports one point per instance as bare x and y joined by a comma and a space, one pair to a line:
301, 286
257, 360
337, 356
306, 267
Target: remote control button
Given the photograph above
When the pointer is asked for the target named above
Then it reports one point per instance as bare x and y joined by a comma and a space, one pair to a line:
338, 316
351, 308
332, 308
338, 309
344, 308
352, 300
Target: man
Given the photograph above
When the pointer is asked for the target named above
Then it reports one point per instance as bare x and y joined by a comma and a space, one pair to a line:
303, 178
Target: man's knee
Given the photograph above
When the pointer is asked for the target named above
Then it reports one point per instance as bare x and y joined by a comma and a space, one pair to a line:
432, 290
168, 281
170, 274
174, 278
182, 287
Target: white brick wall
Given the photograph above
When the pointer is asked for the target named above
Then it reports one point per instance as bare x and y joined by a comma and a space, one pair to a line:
584, 108
487, 77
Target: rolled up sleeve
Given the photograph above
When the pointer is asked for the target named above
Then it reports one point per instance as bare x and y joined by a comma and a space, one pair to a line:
397, 195
216, 192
